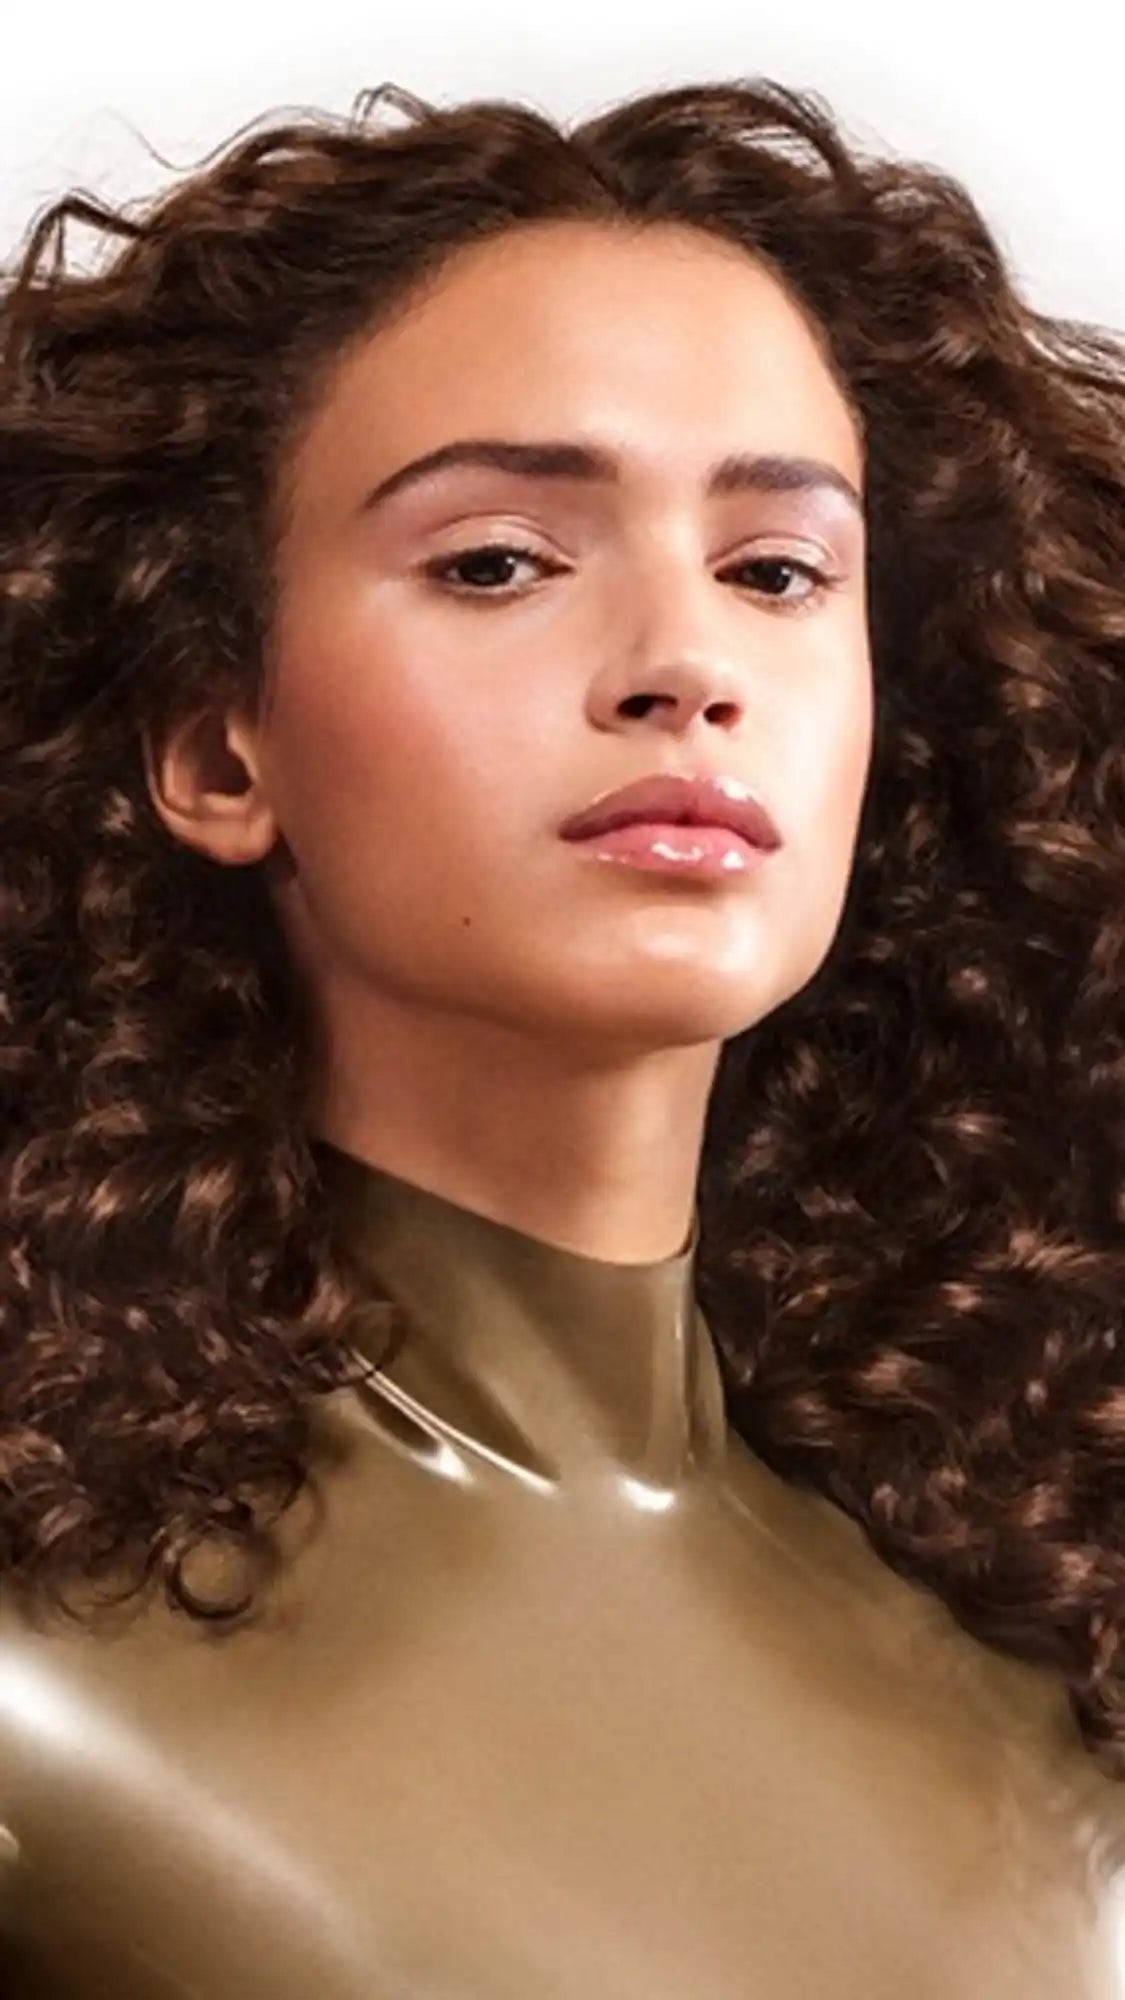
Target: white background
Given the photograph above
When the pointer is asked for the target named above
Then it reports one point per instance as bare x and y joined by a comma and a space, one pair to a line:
1025, 105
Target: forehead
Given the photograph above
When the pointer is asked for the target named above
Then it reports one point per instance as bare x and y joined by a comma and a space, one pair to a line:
674, 346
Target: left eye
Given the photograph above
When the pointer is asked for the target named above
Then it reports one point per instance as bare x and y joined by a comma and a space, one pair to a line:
818, 580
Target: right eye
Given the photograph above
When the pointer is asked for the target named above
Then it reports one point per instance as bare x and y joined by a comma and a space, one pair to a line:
487, 556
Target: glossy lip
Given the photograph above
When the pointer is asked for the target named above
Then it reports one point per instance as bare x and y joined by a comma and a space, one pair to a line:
670, 798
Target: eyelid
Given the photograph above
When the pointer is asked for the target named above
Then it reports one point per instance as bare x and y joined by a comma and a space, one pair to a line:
489, 538
793, 546
820, 559
517, 539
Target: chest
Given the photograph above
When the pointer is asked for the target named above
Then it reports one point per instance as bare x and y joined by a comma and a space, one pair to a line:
473, 1759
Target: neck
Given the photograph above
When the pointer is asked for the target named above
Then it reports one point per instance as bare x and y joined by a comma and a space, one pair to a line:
516, 1358
596, 1155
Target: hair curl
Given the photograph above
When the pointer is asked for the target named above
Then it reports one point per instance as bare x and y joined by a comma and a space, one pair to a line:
911, 1205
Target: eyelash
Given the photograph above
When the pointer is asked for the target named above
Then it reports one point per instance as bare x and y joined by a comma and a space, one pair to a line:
438, 572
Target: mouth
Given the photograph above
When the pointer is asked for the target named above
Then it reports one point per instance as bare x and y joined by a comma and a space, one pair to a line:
675, 848
712, 826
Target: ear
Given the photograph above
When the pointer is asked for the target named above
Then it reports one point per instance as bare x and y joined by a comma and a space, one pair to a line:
207, 786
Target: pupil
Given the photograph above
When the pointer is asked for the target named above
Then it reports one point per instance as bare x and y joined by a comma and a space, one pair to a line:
487, 558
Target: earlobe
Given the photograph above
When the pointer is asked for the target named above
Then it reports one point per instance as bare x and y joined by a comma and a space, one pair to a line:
206, 788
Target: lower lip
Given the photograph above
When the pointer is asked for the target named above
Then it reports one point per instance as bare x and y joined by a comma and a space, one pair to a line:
712, 851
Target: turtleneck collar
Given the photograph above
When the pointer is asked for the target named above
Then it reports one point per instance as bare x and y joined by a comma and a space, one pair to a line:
549, 1365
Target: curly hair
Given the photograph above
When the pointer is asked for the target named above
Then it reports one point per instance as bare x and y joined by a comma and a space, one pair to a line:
912, 1223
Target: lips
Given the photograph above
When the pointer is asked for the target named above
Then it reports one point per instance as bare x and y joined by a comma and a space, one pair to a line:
673, 800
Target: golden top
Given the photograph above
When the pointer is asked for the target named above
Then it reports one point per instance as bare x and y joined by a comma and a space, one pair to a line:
559, 1692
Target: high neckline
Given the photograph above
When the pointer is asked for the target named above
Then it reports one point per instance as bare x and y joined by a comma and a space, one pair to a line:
548, 1364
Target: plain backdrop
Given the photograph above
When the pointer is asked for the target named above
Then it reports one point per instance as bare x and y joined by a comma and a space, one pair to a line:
1025, 106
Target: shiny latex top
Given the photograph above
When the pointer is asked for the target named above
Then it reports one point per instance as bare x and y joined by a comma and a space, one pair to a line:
558, 1693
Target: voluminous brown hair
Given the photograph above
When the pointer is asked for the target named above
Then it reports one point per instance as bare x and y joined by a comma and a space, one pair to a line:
913, 1230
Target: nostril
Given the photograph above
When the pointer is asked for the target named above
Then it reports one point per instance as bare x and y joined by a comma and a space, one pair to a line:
639, 704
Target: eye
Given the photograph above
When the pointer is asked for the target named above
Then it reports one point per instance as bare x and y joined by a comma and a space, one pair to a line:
491, 557
819, 580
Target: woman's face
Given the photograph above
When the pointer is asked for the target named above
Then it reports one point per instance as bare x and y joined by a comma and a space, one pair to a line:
436, 715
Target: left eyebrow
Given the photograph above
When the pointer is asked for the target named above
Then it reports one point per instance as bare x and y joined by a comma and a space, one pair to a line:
550, 458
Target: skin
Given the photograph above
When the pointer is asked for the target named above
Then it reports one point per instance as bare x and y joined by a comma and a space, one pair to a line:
503, 1018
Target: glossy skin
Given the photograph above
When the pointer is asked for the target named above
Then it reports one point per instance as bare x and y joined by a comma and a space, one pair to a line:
426, 737
560, 1693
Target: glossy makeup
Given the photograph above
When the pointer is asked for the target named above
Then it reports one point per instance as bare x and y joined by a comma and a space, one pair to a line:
590, 510
704, 851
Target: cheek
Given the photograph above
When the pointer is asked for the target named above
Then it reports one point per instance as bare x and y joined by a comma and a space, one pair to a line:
829, 740
363, 800
352, 748
853, 762
393, 795
827, 780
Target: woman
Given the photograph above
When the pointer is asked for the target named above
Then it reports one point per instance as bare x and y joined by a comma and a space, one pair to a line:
563, 861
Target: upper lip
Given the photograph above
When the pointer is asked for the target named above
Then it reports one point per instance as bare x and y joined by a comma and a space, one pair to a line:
680, 799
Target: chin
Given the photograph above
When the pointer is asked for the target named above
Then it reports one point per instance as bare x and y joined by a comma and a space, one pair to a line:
644, 1005
671, 1022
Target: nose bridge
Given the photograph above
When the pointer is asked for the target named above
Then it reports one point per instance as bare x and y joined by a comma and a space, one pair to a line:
669, 584
675, 647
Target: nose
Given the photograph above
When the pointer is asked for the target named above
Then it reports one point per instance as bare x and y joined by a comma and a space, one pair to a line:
673, 695
680, 667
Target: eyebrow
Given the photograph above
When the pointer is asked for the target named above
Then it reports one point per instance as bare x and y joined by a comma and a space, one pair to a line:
550, 458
